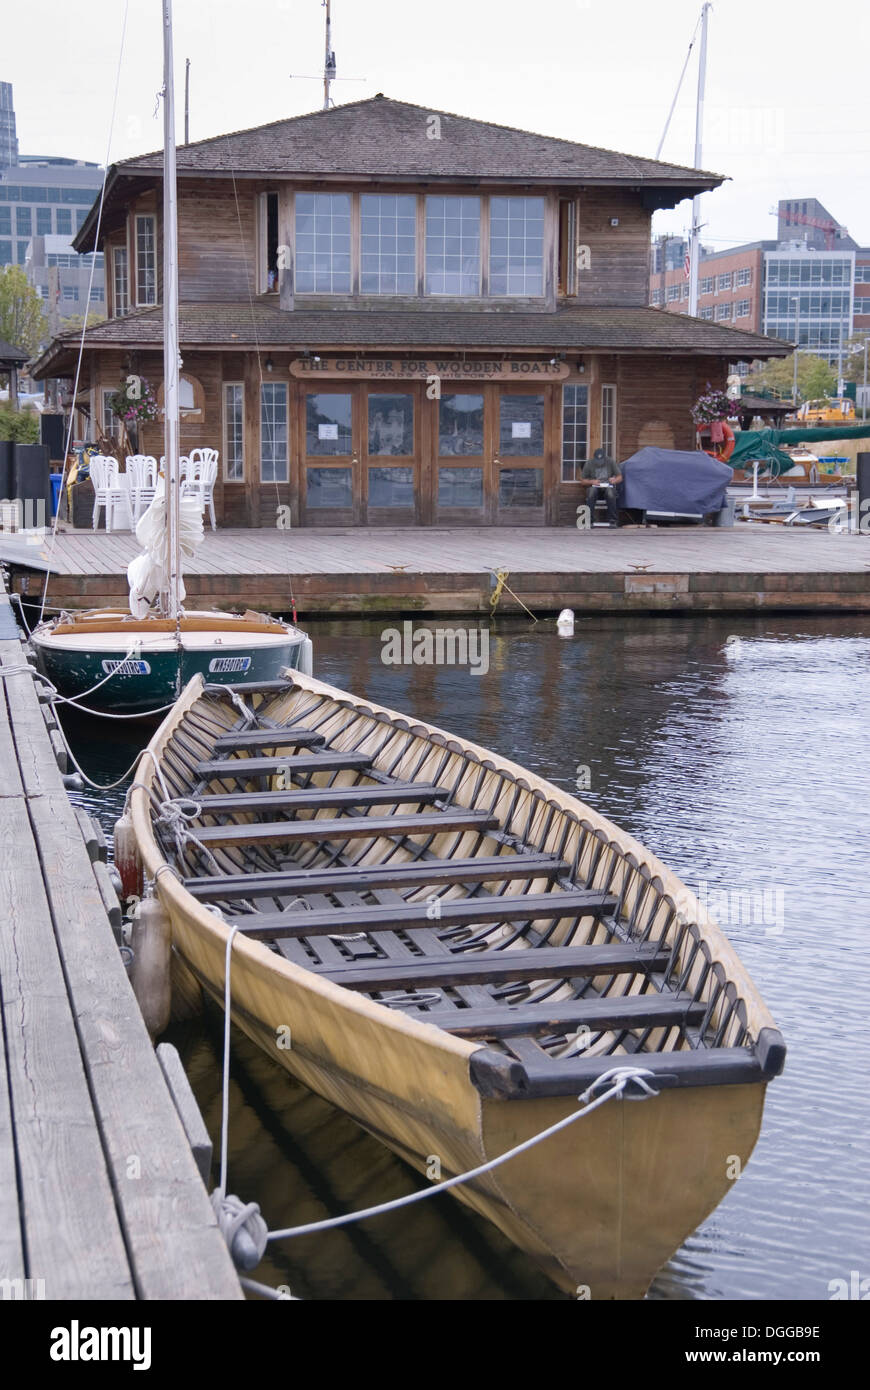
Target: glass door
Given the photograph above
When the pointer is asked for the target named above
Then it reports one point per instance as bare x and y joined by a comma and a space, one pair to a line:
459, 483
518, 461
392, 469
332, 476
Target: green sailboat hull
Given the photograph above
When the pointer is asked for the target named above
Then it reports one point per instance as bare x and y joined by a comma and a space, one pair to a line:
155, 679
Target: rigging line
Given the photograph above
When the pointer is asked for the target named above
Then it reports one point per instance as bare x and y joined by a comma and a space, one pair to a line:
248, 281
679, 85
75, 392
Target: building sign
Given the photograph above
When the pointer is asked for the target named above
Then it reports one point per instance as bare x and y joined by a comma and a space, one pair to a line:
407, 368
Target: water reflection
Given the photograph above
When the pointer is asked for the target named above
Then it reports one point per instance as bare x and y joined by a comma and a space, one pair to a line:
742, 763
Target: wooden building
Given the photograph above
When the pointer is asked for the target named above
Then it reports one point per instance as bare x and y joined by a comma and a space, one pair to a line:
394, 316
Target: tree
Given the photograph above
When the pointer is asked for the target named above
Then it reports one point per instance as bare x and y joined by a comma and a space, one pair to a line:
815, 377
22, 322
76, 322
853, 358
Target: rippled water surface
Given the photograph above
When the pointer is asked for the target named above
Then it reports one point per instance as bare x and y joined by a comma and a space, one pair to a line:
736, 750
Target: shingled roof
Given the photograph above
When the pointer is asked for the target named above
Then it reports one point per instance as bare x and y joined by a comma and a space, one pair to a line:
383, 138
379, 136
264, 325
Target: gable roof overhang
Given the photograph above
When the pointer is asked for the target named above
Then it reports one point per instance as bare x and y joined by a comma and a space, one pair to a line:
264, 327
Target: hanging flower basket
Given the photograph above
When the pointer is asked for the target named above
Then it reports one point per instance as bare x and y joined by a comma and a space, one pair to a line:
713, 405
134, 403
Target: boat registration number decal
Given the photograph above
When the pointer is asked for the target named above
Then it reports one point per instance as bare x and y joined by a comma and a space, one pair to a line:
229, 663
126, 668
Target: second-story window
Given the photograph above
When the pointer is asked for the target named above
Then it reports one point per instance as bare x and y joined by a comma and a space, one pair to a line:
388, 245
121, 282
323, 243
516, 246
452, 245
146, 261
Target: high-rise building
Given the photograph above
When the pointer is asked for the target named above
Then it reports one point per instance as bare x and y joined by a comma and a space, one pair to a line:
811, 286
8, 138
43, 203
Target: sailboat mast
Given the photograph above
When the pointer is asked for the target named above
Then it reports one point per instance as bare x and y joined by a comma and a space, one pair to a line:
171, 427
694, 235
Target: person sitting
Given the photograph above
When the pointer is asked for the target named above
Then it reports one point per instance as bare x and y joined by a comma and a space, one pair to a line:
601, 472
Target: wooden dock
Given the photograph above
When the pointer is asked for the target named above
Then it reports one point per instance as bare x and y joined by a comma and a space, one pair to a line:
750, 568
100, 1197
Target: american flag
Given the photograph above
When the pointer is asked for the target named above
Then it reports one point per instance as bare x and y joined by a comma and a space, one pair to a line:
687, 264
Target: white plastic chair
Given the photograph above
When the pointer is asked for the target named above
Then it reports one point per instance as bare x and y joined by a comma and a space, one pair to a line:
200, 479
183, 465
109, 491
142, 473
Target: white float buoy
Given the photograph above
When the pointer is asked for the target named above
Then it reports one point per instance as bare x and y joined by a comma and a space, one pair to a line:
565, 622
127, 860
152, 945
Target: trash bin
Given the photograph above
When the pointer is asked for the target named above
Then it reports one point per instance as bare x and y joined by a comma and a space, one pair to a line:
56, 480
725, 517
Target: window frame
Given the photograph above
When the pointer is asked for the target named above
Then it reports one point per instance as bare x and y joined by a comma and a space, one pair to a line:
124, 251
608, 386
137, 218
381, 272
575, 465
113, 431
235, 386
550, 247
353, 243
285, 476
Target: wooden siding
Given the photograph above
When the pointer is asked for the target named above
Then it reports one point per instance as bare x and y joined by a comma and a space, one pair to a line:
216, 241
619, 270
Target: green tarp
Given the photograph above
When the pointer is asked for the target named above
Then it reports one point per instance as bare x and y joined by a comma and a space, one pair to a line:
761, 444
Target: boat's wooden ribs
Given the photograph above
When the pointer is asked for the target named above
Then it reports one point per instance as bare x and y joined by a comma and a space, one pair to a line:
322, 798
628, 1011
344, 828
242, 768
494, 966
526, 907
414, 874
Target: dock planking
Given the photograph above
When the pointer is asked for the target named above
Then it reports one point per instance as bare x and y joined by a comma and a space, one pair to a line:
750, 567
100, 1196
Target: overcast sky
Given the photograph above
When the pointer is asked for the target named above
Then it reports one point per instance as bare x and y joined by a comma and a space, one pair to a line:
786, 115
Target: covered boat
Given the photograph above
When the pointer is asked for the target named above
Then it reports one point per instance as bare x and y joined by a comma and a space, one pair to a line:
452, 951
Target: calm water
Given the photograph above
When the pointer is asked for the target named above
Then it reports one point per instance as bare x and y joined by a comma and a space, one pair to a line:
743, 764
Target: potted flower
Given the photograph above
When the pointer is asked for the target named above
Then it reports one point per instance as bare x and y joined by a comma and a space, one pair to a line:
135, 404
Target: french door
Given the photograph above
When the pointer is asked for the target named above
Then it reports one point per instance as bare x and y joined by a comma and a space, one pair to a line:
360, 453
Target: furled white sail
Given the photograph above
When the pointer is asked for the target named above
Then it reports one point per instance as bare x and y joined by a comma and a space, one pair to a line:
148, 574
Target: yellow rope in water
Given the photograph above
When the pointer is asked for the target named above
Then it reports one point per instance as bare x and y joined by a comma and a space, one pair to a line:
502, 577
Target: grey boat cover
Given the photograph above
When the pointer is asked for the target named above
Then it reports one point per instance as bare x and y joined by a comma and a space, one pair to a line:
673, 480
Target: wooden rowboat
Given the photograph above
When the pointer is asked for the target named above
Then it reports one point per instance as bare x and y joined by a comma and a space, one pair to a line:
452, 950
